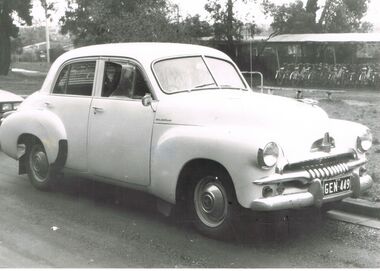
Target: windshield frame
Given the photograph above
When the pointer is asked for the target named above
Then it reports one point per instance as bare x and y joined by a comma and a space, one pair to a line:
203, 57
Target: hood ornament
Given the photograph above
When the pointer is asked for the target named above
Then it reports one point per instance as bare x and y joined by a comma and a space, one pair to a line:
324, 144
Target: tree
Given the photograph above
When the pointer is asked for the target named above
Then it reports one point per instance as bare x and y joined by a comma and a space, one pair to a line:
225, 24
8, 8
103, 21
343, 16
337, 16
31, 35
292, 18
193, 28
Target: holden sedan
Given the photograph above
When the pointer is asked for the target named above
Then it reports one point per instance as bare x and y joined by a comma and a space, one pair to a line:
180, 122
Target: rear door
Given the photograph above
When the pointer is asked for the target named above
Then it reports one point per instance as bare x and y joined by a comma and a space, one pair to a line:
70, 100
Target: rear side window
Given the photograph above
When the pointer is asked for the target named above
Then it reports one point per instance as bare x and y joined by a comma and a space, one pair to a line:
76, 79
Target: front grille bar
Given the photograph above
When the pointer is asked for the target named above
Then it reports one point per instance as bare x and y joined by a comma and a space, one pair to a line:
306, 175
326, 172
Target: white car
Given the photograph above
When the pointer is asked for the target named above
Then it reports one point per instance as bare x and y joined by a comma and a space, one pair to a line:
8, 102
180, 122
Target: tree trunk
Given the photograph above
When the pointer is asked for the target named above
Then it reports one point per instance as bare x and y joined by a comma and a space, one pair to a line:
324, 13
5, 54
230, 37
5, 42
312, 7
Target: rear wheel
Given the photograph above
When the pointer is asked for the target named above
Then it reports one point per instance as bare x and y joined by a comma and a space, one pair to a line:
213, 205
38, 168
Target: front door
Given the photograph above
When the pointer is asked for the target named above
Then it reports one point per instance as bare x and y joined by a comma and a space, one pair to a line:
120, 127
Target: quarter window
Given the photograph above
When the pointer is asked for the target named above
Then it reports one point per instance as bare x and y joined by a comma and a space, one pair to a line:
76, 79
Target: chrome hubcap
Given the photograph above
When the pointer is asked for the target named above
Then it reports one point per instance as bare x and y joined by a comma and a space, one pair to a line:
210, 201
39, 165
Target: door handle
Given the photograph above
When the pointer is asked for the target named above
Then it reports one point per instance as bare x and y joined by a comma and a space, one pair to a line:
97, 109
48, 105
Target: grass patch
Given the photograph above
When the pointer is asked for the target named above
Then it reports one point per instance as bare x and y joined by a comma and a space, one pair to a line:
21, 84
32, 66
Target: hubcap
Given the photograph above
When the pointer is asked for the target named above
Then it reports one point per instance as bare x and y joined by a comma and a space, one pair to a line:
210, 201
39, 165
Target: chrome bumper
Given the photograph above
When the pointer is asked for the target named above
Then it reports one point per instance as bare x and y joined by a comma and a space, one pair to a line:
313, 197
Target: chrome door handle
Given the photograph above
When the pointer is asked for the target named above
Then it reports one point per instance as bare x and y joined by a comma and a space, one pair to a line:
97, 109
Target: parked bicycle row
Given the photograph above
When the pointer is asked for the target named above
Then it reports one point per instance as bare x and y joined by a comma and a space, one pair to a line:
329, 75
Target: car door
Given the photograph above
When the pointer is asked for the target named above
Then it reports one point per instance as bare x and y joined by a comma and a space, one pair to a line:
120, 127
70, 100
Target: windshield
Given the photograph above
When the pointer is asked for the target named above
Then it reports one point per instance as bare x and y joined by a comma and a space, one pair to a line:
192, 73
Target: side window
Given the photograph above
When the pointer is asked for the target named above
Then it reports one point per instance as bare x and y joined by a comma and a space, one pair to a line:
60, 85
123, 80
76, 79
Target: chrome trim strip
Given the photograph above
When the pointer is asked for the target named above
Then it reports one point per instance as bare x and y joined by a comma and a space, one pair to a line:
354, 164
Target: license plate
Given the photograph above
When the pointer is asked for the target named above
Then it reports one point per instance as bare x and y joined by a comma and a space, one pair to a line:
337, 185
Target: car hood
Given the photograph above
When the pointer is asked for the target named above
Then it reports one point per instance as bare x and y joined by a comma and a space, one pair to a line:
295, 125
6, 96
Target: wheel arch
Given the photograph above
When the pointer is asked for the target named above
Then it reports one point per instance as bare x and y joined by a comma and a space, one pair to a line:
23, 126
27, 140
195, 166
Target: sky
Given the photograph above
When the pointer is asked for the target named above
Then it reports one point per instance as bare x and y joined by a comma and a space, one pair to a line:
192, 7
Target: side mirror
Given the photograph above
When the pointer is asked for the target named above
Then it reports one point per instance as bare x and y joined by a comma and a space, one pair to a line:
147, 100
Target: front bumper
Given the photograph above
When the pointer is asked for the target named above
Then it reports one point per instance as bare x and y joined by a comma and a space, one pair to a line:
314, 195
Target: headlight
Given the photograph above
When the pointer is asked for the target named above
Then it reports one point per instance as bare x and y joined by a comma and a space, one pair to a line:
16, 105
364, 142
268, 156
6, 107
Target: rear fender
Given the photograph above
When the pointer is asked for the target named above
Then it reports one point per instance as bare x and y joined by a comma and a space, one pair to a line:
43, 124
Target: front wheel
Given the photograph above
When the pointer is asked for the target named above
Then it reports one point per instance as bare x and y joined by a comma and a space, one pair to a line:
38, 168
214, 205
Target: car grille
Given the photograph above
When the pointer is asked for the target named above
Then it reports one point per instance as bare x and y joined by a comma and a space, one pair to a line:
327, 172
324, 168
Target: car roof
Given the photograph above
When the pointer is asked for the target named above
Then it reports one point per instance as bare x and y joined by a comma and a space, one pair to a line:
142, 51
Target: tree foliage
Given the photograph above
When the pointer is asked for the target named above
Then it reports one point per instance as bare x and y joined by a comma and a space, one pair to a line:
343, 16
192, 28
337, 16
226, 26
9, 8
291, 18
104, 21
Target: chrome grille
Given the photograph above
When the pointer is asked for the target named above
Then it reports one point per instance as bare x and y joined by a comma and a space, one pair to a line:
327, 171
323, 168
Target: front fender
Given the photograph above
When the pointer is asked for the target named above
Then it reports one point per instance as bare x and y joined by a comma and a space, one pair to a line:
42, 124
346, 132
174, 146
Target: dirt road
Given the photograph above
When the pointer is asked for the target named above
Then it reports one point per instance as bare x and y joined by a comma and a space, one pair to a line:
87, 224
